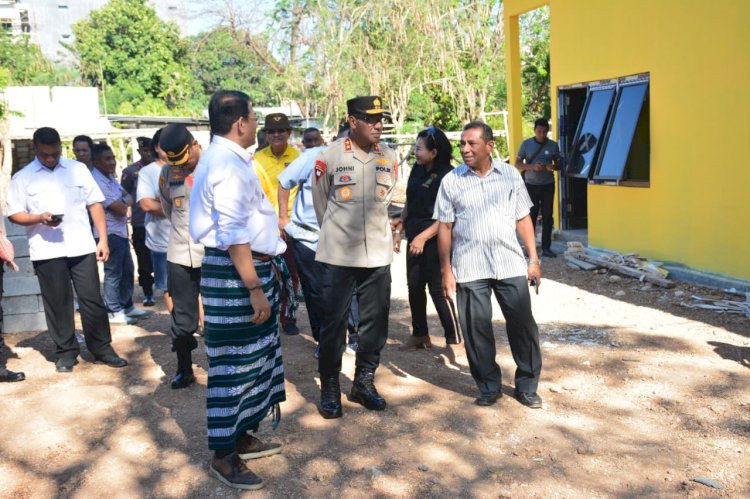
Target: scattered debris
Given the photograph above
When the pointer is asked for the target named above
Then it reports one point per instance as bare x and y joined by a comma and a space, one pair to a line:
679, 293
423, 467
614, 278
620, 293
708, 482
629, 264
375, 472
721, 306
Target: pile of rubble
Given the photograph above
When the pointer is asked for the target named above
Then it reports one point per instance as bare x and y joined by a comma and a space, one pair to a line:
630, 264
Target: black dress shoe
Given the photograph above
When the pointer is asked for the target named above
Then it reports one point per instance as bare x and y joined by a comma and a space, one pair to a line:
111, 360
65, 365
364, 392
182, 380
549, 253
10, 376
487, 399
330, 397
531, 400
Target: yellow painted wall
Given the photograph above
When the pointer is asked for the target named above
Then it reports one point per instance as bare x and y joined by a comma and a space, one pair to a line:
698, 56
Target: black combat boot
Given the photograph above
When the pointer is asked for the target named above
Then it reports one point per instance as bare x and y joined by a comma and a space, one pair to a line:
364, 391
330, 396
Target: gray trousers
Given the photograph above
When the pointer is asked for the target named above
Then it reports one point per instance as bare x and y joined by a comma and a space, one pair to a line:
475, 317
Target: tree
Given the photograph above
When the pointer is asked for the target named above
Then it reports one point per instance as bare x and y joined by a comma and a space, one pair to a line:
535, 64
138, 60
219, 59
25, 64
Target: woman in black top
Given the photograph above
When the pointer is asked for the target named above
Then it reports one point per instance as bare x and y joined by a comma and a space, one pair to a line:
433, 154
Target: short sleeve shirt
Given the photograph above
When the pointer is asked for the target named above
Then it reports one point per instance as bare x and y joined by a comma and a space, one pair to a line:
484, 212
421, 192
268, 168
129, 182
116, 224
157, 228
65, 190
547, 153
351, 197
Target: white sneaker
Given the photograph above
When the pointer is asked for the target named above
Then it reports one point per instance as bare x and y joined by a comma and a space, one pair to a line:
137, 312
120, 318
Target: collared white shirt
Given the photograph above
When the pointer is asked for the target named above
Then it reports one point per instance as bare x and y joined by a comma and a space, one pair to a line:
157, 228
299, 173
228, 206
65, 190
484, 212
116, 224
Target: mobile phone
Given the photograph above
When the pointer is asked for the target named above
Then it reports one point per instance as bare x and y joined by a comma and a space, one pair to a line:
534, 283
56, 219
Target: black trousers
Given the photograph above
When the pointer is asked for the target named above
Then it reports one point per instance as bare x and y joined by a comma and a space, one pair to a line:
55, 276
475, 316
424, 270
543, 196
184, 286
311, 275
143, 256
374, 291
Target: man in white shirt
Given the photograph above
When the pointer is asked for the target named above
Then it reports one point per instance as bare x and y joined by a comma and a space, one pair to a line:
231, 216
157, 224
50, 196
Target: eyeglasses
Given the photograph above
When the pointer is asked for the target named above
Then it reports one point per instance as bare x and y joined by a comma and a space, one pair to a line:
370, 119
275, 132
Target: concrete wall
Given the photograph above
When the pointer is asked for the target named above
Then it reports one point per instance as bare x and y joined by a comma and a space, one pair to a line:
22, 303
694, 211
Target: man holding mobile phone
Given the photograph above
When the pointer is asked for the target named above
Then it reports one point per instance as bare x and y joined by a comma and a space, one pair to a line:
51, 196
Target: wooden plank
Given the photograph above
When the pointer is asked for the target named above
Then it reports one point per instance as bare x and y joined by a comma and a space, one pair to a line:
627, 271
580, 263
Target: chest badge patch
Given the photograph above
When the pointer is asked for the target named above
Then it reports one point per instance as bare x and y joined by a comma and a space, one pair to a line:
345, 178
346, 193
178, 203
384, 178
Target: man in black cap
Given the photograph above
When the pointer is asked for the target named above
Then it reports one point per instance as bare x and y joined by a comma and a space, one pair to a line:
129, 182
269, 163
354, 180
183, 255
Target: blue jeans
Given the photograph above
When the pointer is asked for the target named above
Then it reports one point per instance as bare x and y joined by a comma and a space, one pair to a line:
118, 275
159, 262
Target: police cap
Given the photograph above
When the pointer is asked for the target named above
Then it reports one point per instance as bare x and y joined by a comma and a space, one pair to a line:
175, 141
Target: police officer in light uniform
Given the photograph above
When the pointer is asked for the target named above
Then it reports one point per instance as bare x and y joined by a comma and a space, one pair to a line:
353, 183
184, 256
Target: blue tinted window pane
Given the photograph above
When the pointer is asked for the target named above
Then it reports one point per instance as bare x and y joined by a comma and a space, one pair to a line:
617, 148
586, 143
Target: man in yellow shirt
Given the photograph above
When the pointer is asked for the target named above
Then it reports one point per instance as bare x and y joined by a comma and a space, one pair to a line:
269, 163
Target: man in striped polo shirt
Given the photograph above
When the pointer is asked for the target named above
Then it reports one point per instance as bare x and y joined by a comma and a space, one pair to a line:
481, 205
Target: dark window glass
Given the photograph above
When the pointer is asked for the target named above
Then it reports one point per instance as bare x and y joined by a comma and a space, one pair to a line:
590, 131
615, 152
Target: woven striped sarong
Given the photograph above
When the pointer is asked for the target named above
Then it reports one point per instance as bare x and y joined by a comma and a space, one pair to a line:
245, 370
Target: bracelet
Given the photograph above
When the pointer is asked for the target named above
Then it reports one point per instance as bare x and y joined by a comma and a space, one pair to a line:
258, 286
535, 262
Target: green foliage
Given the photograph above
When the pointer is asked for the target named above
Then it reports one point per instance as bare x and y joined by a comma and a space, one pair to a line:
219, 59
535, 69
24, 63
138, 60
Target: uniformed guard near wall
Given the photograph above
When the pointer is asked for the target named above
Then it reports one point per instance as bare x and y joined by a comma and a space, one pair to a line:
184, 256
354, 181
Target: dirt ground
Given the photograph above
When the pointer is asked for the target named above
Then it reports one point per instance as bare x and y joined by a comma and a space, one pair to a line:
640, 397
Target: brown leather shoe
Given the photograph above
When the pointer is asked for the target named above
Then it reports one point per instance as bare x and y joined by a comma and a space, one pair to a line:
416, 343
231, 470
250, 447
